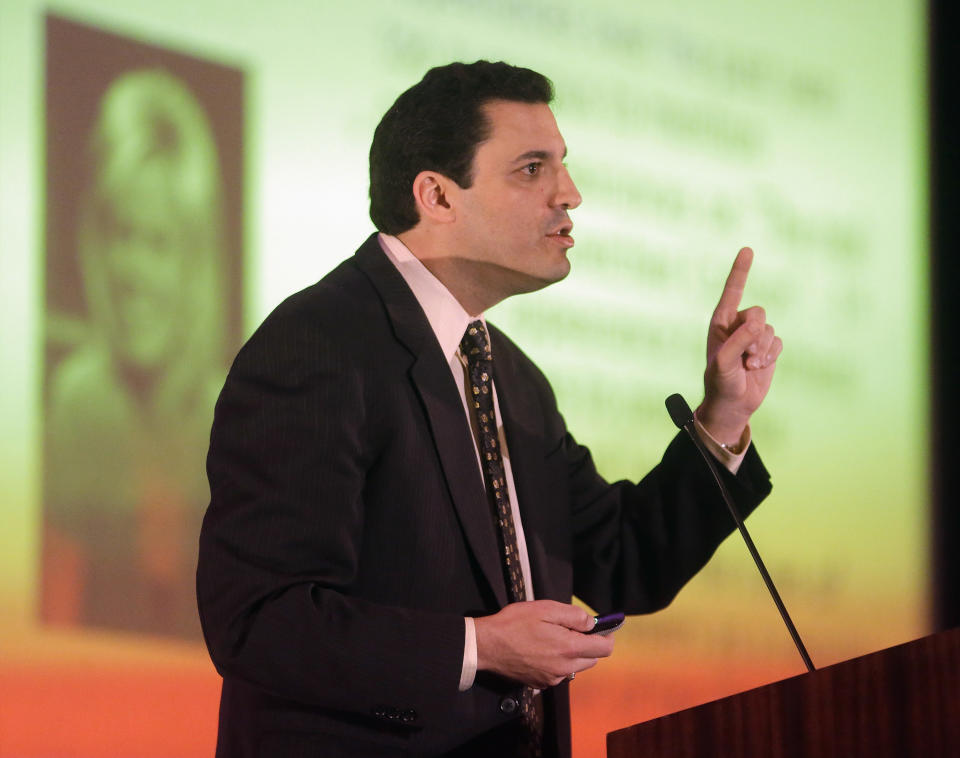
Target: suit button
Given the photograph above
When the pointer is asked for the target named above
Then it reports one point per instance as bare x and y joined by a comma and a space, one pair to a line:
409, 716
393, 713
380, 711
509, 705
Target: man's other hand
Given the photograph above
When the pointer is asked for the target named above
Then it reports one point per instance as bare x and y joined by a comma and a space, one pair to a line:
742, 352
539, 643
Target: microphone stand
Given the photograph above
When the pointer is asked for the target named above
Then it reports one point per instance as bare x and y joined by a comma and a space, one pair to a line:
683, 417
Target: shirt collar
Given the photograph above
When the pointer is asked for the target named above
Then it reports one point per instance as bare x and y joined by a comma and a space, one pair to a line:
446, 316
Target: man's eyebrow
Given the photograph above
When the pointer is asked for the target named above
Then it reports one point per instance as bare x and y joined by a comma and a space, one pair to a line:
538, 154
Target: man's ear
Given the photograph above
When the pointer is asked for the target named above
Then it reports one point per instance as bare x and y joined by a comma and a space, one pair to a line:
433, 194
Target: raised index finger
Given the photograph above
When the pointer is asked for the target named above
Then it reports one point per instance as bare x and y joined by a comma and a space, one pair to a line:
733, 288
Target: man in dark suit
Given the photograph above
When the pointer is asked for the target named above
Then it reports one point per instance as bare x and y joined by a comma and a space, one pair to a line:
398, 515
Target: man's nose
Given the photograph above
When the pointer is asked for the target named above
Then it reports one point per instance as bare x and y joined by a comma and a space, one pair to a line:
567, 195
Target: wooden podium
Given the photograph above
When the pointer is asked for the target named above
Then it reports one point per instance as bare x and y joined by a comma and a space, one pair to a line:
902, 702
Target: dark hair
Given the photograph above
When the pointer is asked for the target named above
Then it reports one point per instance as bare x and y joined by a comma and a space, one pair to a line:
436, 125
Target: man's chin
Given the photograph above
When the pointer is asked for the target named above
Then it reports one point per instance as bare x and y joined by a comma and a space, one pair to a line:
561, 271
532, 282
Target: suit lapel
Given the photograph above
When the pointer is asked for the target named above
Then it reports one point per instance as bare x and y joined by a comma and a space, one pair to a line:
451, 433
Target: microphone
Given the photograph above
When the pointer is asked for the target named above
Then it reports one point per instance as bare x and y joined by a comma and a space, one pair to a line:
683, 417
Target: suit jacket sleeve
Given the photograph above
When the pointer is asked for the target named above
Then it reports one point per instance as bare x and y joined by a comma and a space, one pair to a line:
637, 545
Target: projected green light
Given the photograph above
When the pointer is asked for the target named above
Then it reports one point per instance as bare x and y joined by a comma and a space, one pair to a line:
693, 128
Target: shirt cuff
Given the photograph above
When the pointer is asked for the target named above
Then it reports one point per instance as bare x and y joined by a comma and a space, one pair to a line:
469, 671
730, 460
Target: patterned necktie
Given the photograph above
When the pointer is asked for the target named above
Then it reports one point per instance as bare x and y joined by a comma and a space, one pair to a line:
475, 346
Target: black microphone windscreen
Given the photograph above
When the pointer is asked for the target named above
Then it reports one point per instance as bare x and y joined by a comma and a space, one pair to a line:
679, 410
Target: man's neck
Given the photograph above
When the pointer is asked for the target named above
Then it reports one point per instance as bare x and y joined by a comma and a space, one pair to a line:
461, 276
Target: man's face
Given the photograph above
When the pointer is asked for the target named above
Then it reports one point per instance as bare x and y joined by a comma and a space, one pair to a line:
512, 222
